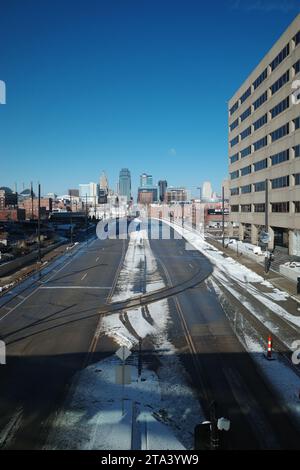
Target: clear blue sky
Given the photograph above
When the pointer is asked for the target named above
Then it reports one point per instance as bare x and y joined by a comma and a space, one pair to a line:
143, 84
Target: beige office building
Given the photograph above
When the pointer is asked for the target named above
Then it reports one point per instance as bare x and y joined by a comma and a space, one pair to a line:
264, 147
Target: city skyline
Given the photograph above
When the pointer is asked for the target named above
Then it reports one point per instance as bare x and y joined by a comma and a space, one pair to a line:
154, 110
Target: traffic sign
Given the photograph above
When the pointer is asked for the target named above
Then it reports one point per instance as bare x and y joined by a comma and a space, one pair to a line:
123, 353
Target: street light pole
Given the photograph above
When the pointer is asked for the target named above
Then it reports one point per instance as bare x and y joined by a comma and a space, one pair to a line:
86, 220
71, 237
223, 217
39, 223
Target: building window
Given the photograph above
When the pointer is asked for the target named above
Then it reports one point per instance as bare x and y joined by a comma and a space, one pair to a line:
280, 157
297, 39
260, 100
234, 141
246, 208
234, 124
282, 182
259, 207
234, 191
297, 151
279, 133
296, 67
246, 133
280, 206
259, 144
280, 107
260, 79
261, 186
260, 122
297, 179
246, 151
234, 175
280, 57
296, 123
234, 108
234, 208
246, 170
246, 95
297, 206
246, 189
234, 158
261, 165
245, 114
280, 82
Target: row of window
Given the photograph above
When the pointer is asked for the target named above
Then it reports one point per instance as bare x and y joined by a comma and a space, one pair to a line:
275, 135
279, 108
281, 207
262, 164
275, 111
276, 183
263, 75
275, 159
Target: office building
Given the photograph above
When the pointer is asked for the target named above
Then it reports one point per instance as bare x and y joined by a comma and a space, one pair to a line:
206, 191
103, 182
124, 187
88, 190
176, 195
146, 181
147, 195
264, 147
162, 187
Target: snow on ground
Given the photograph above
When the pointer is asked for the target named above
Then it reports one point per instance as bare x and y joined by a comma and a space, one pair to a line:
285, 381
95, 420
161, 410
226, 269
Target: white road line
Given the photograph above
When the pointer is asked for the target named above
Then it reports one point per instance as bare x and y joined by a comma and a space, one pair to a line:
97, 259
37, 288
84, 276
191, 266
76, 287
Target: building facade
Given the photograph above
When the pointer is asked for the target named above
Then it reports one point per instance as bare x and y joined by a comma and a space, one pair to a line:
176, 195
124, 188
146, 181
162, 187
264, 148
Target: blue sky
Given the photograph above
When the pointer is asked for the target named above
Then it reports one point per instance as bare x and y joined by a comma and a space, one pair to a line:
98, 85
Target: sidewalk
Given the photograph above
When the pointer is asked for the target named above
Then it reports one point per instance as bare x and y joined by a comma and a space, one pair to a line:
275, 278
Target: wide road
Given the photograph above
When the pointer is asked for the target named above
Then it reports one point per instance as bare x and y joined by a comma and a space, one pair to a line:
219, 366
50, 331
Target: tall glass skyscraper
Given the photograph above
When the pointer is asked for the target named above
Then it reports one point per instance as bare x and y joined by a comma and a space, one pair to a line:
125, 183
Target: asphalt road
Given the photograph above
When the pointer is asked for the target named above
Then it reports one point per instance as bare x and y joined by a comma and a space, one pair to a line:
50, 334
219, 366
51, 331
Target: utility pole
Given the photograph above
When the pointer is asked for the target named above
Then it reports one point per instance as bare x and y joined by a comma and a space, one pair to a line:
214, 433
71, 220
31, 195
86, 220
267, 206
223, 217
267, 259
39, 223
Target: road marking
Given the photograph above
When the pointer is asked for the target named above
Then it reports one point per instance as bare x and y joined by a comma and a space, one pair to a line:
76, 287
97, 259
84, 276
191, 266
45, 282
